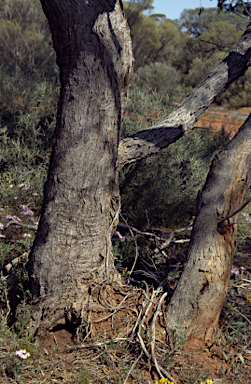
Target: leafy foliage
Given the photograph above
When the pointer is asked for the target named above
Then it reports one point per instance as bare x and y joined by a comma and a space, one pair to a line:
154, 37
158, 77
163, 188
198, 20
25, 40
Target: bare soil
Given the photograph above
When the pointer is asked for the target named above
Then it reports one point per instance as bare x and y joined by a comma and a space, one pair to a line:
217, 117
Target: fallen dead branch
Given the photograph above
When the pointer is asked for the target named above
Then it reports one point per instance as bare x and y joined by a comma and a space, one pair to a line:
24, 257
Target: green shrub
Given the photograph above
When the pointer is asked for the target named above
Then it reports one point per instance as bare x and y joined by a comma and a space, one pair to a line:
158, 77
162, 189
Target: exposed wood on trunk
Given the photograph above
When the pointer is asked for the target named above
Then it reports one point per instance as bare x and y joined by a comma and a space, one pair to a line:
200, 293
181, 120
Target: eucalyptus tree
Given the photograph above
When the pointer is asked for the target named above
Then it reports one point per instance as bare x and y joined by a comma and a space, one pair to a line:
72, 250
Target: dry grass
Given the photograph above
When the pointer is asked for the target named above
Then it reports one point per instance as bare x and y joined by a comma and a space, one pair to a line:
136, 350
130, 344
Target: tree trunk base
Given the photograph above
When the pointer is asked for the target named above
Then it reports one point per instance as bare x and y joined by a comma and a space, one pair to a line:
111, 302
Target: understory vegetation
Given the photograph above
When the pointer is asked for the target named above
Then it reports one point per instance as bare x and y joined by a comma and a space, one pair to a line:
158, 196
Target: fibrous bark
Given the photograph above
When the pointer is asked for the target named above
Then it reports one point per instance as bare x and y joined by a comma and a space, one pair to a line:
72, 249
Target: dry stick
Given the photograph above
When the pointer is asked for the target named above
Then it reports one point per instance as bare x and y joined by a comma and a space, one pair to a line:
108, 240
155, 293
147, 298
235, 212
138, 231
82, 315
139, 330
235, 309
14, 262
135, 362
159, 369
13, 221
136, 246
166, 243
138, 318
181, 241
249, 281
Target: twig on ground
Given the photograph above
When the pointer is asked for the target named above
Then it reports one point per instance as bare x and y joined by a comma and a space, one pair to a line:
154, 294
138, 318
136, 247
237, 310
12, 263
157, 239
157, 366
13, 221
131, 369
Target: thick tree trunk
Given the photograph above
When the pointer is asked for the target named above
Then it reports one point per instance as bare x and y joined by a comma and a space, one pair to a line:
72, 249
200, 293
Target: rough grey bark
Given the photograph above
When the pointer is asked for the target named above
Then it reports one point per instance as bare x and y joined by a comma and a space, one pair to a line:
181, 120
72, 249
200, 293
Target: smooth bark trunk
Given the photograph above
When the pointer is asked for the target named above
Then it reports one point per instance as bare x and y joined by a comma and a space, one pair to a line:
72, 249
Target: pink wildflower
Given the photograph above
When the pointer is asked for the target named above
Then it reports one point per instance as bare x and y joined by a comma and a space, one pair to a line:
17, 218
118, 234
9, 217
26, 235
235, 270
23, 354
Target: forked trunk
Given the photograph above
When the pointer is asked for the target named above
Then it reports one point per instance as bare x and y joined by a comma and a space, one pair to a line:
72, 249
198, 299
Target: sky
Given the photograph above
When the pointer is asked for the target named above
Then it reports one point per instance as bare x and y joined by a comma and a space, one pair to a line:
173, 8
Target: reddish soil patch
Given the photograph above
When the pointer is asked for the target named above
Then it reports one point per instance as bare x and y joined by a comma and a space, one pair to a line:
60, 340
218, 117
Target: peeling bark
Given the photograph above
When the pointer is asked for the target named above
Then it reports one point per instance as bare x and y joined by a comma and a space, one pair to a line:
202, 288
